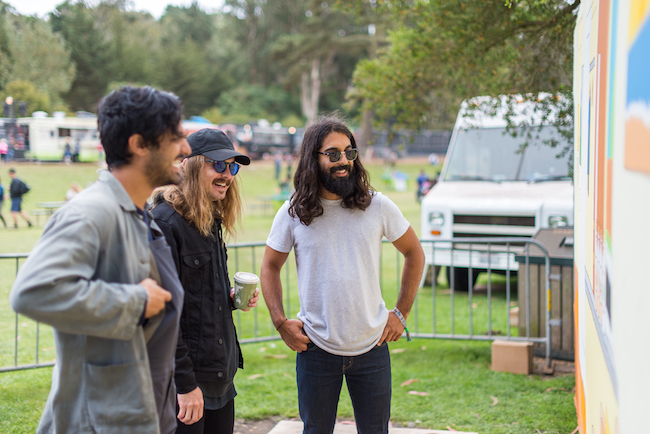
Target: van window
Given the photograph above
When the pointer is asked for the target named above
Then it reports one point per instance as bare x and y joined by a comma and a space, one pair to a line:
492, 154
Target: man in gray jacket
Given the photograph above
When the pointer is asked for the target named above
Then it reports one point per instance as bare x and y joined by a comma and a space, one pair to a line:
103, 277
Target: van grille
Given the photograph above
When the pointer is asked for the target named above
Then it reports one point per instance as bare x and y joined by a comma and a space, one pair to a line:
501, 220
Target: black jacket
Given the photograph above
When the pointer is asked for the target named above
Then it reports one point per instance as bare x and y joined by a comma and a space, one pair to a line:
208, 349
15, 188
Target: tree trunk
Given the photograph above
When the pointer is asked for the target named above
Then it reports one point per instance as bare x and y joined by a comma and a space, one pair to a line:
251, 20
366, 136
310, 92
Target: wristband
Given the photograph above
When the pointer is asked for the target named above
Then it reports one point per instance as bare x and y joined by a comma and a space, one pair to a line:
403, 321
281, 324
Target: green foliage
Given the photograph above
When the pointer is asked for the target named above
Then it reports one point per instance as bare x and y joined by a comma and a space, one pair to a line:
442, 52
214, 115
130, 35
255, 101
187, 23
21, 90
5, 52
320, 52
183, 69
293, 121
90, 51
39, 56
85, 49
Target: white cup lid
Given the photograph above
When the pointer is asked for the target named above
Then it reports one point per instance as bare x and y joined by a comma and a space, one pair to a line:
246, 278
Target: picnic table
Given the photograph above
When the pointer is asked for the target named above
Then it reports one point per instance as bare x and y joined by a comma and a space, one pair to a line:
46, 209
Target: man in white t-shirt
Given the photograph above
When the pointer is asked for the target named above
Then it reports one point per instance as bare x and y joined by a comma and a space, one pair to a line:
335, 224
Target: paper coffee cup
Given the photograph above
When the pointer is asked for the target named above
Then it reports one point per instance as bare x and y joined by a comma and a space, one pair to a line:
245, 284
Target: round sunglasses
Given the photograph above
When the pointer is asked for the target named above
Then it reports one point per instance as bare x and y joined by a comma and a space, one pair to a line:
220, 166
334, 156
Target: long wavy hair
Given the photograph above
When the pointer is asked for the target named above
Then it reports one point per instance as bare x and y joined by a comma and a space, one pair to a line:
305, 201
192, 200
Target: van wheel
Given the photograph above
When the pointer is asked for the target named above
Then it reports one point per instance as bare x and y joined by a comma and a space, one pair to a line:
461, 279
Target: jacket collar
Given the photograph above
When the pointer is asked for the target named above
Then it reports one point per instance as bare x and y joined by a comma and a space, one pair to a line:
118, 190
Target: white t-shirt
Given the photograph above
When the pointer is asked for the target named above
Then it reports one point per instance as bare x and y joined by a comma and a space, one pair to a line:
337, 260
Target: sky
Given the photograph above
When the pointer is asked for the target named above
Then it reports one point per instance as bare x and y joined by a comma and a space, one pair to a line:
156, 7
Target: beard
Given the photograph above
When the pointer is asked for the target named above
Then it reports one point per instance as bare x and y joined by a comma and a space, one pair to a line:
158, 170
342, 187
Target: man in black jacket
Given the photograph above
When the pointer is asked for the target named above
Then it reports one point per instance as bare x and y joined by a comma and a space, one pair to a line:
193, 217
16, 190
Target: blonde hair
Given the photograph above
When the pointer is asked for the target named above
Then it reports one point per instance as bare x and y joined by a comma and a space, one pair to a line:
192, 200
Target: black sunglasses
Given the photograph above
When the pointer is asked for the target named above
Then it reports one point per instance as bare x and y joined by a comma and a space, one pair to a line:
220, 166
351, 154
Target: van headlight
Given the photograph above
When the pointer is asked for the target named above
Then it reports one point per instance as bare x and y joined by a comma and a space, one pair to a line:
436, 218
558, 221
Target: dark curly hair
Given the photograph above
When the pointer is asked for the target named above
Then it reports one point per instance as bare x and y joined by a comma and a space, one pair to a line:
136, 110
305, 201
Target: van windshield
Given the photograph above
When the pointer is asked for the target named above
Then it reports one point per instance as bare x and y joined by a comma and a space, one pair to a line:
492, 154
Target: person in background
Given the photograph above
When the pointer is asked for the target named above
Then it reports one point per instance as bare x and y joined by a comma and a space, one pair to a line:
17, 189
194, 216
74, 189
4, 148
10, 150
76, 151
277, 161
2, 201
67, 151
422, 177
103, 277
424, 185
335, 223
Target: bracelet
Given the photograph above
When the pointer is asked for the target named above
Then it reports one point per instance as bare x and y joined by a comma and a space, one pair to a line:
281, 324
403, 321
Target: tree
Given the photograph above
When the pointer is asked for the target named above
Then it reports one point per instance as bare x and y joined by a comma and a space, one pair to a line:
90, 50
5, 55
188, 23
182, 68
442, 52
254, 101
252, 35
319, 48
134, 38
40, 57
21, 90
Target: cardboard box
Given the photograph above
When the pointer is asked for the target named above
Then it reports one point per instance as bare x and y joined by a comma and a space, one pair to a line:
512, 356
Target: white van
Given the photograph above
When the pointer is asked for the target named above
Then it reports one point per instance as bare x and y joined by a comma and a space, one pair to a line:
491, 187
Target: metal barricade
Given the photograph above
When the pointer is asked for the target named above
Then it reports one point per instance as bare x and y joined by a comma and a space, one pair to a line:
256, 326
488, 250
8, 316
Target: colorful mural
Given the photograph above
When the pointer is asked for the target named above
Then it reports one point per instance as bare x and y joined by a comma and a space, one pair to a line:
611, 207
637, 116
593, 84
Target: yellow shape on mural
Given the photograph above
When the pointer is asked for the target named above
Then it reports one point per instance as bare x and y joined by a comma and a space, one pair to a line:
638, 14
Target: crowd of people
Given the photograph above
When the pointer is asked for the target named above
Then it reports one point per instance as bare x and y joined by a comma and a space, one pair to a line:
140, 297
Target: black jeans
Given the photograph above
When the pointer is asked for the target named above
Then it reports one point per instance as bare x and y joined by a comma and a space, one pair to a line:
220, 421
320, 377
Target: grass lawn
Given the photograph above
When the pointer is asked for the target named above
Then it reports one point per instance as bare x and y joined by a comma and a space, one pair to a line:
455, 375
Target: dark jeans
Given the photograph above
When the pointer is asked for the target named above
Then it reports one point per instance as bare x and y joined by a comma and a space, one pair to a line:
320, 377
220, 421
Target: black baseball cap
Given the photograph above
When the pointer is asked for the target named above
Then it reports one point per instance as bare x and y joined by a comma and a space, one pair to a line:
215, 145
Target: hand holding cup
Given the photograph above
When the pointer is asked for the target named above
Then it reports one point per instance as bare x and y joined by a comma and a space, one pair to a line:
245, 290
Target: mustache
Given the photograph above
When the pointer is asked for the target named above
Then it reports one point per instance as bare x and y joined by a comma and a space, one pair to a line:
347, 167
223, 180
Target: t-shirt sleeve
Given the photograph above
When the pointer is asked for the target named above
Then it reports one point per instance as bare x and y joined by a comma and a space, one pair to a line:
393, 221
281, 236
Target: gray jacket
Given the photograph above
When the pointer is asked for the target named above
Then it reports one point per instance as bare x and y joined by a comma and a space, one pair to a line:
82, 279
